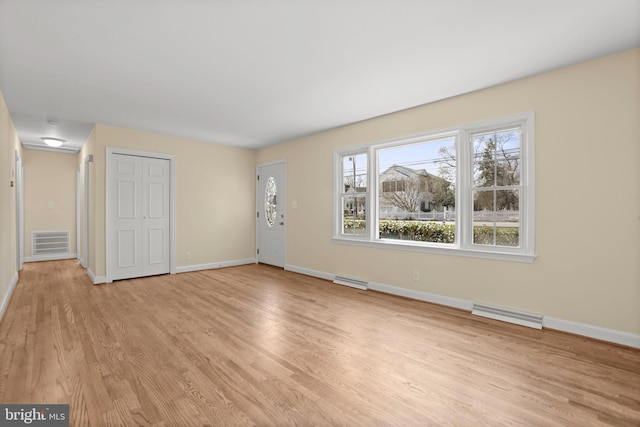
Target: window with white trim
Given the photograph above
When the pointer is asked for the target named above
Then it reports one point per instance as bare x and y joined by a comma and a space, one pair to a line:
354, 194
463, 191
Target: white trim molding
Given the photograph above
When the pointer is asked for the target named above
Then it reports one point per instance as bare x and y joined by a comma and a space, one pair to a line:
591, 331
38, 258
576, 328
84, 259
19, 183
7, 297
213, 265
96, 280
309, 272
422, 296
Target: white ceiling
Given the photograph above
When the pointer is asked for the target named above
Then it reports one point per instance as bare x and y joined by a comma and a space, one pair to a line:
257, 72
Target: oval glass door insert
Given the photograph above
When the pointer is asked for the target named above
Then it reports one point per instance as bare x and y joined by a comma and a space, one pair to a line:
270, 201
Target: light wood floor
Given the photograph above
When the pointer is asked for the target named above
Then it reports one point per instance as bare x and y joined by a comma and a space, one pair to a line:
255, 345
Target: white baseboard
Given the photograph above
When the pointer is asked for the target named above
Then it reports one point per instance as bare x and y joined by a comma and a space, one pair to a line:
583, 329
422, 296
38, 258
591, 331
309, 272
184, 269
212, 265
7, 297
96, 280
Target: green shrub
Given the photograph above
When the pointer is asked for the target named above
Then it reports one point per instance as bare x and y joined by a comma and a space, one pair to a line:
355, 224
445, 233
418, 231
505, 236
423, 231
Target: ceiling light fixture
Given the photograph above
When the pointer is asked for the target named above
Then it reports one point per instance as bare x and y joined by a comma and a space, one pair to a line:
53, 142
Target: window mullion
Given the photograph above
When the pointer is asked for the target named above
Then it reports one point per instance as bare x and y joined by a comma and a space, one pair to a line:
372, 194
338, 191
464, 202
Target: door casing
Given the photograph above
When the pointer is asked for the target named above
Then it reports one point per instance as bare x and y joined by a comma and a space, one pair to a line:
19, 186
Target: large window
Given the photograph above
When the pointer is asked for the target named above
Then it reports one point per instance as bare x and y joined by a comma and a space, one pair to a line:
464, 191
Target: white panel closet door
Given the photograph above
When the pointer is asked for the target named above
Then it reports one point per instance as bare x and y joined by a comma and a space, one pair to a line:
139, 215
126, 217
155, 213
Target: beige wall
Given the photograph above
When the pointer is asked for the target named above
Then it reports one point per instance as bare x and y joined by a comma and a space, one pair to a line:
50, 180
587, 198
9, 143
215, 196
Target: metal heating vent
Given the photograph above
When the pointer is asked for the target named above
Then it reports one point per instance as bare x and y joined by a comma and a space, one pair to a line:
352, 282
50, 243
522, 318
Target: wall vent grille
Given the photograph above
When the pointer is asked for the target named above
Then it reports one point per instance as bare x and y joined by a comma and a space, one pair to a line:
532, 320
50, 243
352, 282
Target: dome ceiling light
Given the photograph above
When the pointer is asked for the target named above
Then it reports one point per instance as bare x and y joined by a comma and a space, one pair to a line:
53, 142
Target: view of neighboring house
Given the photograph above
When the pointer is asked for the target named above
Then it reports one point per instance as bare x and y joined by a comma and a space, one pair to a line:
405, 191
355, 205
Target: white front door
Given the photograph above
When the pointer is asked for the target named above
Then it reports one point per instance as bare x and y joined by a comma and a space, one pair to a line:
139, 216
271, 213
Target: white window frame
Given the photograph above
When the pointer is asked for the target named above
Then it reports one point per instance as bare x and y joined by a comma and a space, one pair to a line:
339, 192
463, 244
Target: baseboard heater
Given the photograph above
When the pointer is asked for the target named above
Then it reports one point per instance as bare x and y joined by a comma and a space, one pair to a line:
531, 320
351, 282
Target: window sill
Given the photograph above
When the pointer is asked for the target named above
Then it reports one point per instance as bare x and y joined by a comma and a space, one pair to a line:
435, 248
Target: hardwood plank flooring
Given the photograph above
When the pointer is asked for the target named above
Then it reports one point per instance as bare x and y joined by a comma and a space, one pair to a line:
254, 345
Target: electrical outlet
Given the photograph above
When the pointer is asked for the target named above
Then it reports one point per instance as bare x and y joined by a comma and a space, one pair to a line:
188, 255
416, 276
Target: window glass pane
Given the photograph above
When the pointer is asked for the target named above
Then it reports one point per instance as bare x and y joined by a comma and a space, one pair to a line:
496, 217
354, 209
416, 195
496, 208
508, 144
354, 173
508, 236
354, 198
484, 160
496, 158
270, 201
508, 200
507, 172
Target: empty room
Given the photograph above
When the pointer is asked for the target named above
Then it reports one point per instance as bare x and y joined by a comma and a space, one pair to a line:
355, 213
